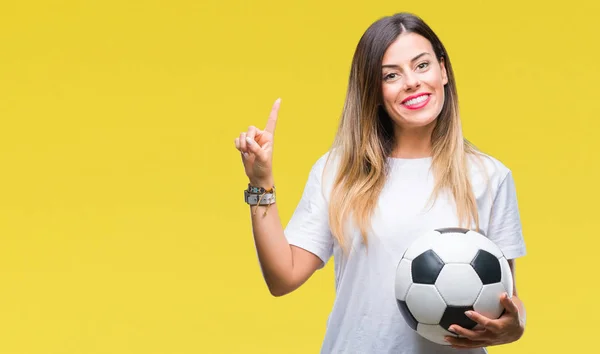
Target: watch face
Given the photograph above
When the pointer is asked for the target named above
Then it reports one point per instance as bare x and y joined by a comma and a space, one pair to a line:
253, 199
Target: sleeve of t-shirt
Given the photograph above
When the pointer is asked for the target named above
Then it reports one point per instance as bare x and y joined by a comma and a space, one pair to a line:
505, 222
308, 227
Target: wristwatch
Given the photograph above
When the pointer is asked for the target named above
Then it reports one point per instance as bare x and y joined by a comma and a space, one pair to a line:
253, 199
253, 195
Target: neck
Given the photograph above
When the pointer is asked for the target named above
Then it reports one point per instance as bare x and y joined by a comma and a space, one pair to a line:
413, 143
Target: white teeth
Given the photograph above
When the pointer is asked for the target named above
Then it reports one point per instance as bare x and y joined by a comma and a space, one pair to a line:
416, 100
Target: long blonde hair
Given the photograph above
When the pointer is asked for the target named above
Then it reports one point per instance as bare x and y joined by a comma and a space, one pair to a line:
365, 135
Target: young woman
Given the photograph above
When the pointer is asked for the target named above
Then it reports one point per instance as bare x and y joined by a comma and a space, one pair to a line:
399, 167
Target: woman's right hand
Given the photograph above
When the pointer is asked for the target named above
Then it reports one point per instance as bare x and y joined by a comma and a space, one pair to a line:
256, 148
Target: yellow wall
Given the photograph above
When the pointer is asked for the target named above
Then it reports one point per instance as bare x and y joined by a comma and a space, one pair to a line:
122, 224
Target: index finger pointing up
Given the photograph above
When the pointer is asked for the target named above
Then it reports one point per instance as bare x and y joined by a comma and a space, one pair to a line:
273, 117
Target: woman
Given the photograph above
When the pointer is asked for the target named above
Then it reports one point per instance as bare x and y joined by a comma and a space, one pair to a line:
399, 167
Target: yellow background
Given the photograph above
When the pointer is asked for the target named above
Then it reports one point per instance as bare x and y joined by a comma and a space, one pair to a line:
122, 224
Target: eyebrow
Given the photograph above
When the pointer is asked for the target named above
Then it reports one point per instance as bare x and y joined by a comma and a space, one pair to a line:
412, 60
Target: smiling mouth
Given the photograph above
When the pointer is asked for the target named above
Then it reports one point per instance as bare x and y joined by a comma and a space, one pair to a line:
417, 102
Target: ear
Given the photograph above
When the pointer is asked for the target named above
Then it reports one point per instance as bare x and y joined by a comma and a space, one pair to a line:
443, 70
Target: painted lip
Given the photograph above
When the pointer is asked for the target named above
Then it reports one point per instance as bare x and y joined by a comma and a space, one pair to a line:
417, 106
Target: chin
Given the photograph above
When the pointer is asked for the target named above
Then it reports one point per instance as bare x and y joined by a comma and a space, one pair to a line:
419, 124
413, 120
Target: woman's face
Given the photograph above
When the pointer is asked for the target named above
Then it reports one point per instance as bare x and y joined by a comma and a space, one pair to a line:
413, 82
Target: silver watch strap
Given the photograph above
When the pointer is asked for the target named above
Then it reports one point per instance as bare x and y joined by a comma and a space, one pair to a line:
252, 199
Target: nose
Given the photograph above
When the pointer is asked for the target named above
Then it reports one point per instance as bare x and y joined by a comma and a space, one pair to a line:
411, 82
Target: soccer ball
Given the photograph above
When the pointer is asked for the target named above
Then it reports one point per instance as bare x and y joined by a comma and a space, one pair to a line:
446, 272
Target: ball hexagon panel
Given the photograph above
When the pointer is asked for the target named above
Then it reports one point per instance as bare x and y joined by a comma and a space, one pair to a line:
484, 243
421, 244
426, 267
456, 248
403, 279
458, 284
425, 303
488, 303
434, 333
487, 266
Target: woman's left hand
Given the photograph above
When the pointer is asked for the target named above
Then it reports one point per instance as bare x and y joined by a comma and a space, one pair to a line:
506, 329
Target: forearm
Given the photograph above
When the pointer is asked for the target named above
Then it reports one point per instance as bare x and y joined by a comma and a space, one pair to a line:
273, 249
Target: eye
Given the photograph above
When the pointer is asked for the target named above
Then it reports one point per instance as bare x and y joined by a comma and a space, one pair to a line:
390, 76
423, 65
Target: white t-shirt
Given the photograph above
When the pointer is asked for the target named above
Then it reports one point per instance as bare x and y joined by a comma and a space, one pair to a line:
365, 317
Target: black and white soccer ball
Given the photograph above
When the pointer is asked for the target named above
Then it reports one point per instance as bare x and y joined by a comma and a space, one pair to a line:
446, 272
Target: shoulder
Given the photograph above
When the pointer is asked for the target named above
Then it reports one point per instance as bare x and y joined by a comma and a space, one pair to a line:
324, 172
321, 174
326, 165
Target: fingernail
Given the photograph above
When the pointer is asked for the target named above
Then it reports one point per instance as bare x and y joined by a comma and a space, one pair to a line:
468, 313
249, 140
245, 154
